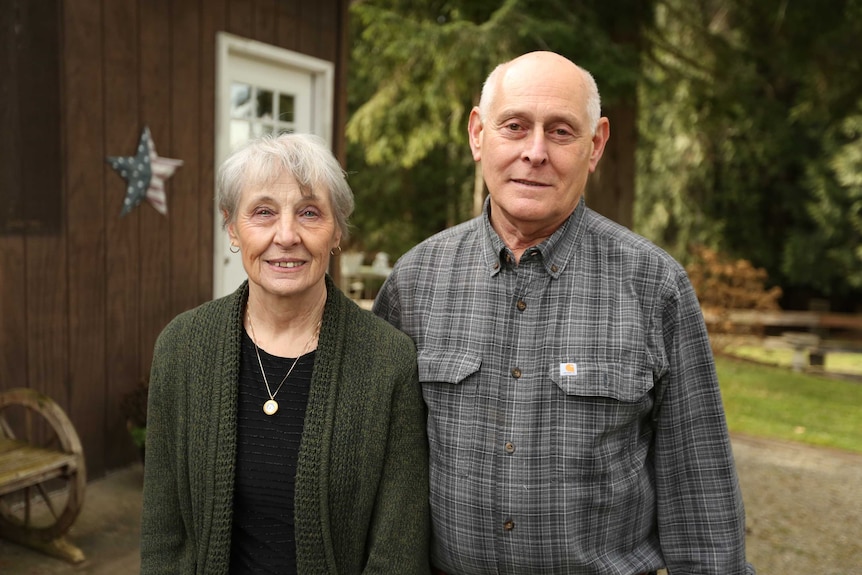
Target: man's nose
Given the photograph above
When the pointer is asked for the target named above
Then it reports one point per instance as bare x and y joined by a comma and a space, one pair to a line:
535, 148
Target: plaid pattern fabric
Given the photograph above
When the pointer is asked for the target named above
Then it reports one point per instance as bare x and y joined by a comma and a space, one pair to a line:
575, 421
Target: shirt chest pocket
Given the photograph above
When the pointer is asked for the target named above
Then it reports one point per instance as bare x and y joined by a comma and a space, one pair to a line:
449, 389
599, 418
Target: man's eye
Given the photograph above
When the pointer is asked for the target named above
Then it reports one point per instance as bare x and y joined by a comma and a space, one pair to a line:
513, 127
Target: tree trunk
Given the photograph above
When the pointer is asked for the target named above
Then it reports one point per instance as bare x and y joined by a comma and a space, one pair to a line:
611, 189
478, 190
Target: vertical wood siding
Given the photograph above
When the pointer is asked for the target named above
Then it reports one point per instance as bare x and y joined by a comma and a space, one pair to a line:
80, 308
30, 170
122, 110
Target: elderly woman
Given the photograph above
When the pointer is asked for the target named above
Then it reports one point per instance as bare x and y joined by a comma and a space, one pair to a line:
286, 429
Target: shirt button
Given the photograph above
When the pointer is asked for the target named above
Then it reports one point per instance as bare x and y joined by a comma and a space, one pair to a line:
522, 305
510, 447
509, 525
554, 269
516, 372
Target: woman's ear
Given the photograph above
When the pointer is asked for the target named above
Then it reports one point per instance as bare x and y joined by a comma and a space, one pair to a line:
337, 237
229, 227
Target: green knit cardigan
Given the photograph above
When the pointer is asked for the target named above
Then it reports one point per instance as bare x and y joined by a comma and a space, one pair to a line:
361, 501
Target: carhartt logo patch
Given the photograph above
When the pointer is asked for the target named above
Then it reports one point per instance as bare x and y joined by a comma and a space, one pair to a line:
568, 369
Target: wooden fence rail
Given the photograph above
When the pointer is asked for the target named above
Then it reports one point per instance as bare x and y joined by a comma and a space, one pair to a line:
789, 319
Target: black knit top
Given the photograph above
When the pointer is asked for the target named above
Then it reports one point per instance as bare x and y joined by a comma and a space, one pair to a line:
262, 538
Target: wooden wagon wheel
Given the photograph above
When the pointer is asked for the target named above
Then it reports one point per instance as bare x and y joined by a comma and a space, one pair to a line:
44, 477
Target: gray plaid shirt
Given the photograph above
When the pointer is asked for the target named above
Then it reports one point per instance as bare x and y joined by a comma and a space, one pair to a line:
575, 420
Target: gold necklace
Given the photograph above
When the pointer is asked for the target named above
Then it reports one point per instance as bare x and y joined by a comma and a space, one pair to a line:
271, 405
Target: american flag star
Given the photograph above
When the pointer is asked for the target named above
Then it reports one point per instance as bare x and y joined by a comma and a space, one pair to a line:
145, 173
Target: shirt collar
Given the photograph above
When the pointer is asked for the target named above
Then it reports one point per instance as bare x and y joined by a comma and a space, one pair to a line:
557, 250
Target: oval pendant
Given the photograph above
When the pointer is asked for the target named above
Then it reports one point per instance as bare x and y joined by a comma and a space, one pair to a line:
270, 407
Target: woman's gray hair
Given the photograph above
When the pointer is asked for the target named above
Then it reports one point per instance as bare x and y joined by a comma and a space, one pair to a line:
261, 161
594, 100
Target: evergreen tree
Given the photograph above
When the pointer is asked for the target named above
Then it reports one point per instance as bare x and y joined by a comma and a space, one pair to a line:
416, 71
749, 142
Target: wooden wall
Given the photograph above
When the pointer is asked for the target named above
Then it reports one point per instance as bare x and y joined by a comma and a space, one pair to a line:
80, 307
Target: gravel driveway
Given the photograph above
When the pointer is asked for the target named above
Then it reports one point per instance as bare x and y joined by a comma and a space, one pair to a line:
803, 507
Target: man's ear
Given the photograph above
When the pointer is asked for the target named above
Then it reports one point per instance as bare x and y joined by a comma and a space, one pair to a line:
600, 138
474, 131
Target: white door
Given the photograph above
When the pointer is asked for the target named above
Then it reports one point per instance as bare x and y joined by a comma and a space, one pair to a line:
263, 89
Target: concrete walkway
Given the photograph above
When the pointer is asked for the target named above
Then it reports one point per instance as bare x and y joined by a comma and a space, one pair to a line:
108, 531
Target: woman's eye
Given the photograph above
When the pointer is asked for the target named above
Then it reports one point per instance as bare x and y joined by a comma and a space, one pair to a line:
309, 213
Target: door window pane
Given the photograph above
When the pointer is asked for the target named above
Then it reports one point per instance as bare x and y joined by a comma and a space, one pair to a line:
285, 108
240, 100
240, 132
254, 112
264, 104
258, 130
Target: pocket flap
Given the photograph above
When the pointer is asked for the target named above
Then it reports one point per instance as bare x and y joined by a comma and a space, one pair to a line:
447, 366
618, 381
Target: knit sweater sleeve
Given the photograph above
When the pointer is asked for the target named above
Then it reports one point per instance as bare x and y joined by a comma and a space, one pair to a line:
191, 440
165, 546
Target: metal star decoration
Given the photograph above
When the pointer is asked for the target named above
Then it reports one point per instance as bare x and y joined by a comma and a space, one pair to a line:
145, 173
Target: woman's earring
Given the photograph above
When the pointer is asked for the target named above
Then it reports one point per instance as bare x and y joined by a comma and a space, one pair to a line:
234, 249
332, 252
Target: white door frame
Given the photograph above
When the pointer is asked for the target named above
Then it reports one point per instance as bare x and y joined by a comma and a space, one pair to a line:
322, 73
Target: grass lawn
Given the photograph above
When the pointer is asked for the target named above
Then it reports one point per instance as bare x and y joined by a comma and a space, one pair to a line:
776, 402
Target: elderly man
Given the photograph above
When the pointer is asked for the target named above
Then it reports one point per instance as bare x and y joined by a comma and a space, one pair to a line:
575, 421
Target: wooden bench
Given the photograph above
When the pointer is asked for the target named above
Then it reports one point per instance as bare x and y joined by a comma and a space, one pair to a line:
42, 474
810, 349
816, 333
805, 346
